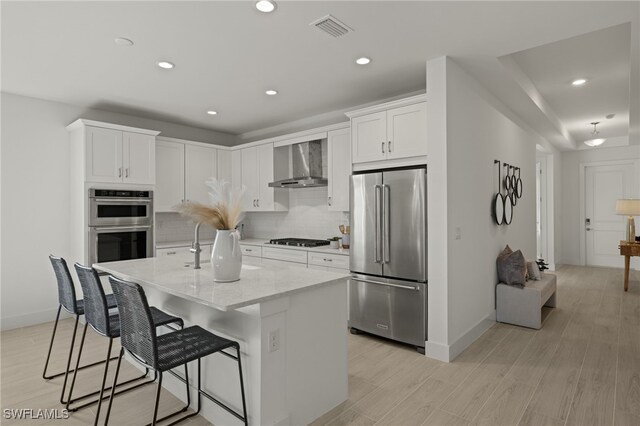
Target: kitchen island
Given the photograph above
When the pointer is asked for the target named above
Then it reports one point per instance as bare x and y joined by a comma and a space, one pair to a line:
290, 323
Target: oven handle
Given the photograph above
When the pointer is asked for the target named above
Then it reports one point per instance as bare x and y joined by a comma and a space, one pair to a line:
123, 200
121, 228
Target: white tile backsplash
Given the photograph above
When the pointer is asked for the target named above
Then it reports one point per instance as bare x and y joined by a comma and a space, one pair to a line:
172, 227
307, 217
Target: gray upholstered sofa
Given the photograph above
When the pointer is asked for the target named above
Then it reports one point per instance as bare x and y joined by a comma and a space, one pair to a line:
523, 306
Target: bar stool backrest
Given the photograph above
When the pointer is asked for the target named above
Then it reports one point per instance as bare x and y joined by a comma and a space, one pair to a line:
66, 289
137, 331
96, 310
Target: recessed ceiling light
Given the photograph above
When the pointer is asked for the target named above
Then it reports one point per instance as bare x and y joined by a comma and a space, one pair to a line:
579, 81
211, 112
271, 92
121, 41
266, 6
363, 61
166, 65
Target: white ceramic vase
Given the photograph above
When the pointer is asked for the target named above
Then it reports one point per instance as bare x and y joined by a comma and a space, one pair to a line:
226, 257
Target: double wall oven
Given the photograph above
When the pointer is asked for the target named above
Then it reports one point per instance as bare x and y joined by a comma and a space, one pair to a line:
120, 225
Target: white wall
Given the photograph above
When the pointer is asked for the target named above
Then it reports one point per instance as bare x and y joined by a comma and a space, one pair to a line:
475, 133
571, 161
35, 197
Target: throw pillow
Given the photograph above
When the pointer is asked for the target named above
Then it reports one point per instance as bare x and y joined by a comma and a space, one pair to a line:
512, 268
534, 272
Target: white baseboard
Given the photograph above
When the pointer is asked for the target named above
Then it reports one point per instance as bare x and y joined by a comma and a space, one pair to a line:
32, 318
448, 353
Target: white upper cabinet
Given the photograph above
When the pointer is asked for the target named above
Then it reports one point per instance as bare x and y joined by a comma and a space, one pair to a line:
183, 168
200, 165
110, 153
396, 130
407, 131
256, 172
225, 167
138, 158
339, 169
170, 175
369, 137
104, 155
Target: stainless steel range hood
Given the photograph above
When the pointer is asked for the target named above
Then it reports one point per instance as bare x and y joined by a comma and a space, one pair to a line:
306, 162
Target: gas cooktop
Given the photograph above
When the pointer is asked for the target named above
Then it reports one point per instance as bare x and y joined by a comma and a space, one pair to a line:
300, 242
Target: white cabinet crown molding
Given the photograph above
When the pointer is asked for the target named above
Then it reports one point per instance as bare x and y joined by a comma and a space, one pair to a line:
292, 138
188, 142
387, 105
82, 122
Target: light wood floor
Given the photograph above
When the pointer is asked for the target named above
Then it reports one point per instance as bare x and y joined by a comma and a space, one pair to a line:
581, 368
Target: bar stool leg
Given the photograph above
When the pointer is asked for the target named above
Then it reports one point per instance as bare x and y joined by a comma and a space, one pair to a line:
66, 373
53, 335
104, 381
155, 407
113, 389
244, 403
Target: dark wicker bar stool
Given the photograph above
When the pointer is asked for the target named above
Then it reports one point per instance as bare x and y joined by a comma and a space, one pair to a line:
67, 300
107, 325
162, 353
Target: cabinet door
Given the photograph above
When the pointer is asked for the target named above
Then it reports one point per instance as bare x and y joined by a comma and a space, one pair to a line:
200, 165
104, 155
139, 158
225, 165
250, 176
339, 169
369, 137
236, 170
265, 175
170, 177
407, 131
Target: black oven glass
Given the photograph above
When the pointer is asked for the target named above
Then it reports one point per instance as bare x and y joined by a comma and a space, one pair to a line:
111, 210
114, 246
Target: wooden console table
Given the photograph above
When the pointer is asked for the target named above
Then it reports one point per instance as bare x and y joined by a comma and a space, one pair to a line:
627, 250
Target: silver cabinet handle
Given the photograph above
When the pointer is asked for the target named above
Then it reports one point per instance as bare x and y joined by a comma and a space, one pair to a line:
169, 253
119, 171
254, 203
389, 146
378, 222
383, 147
329, 200
386, 195
328, 260
387, 284
126, 172
248, 250
588, 229
258, 202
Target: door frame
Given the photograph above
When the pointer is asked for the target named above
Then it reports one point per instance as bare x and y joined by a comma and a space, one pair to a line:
543, 253
582, 195
548, 213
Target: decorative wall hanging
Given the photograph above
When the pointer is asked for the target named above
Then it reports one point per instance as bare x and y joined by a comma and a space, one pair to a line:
503, 204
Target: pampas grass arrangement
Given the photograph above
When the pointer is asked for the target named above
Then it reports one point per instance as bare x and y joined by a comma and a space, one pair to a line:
225, 211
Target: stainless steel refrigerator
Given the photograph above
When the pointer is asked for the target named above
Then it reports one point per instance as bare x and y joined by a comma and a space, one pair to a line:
388, 255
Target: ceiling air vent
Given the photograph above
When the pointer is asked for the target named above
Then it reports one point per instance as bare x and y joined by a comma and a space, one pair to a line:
332, 26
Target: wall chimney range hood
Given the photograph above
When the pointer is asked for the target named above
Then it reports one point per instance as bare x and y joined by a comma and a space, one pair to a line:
306, 162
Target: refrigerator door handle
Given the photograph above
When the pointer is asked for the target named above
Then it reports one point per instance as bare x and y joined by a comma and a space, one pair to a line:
386, 195
378, 223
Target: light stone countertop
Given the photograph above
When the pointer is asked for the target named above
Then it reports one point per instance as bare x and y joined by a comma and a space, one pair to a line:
258, 283
258, 242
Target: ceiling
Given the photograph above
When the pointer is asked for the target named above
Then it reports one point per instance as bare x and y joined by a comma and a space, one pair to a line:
227, 54
603, 58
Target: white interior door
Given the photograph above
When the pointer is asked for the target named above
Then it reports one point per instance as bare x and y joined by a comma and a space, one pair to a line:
603, 227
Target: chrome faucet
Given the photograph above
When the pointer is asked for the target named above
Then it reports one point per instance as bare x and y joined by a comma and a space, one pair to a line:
195, 247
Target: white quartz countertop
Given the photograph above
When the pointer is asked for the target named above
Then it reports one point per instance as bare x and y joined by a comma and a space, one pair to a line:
258, 242
258, 283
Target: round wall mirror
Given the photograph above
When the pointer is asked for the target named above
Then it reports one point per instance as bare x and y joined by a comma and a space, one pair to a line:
508, 210
498, 208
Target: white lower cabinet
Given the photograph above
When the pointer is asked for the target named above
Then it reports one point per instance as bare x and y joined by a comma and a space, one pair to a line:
275, 262
250, 250
287, 255
328, 260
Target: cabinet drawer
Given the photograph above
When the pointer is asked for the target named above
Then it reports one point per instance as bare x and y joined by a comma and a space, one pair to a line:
253, 251
330, 260
299, 256
174, 252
